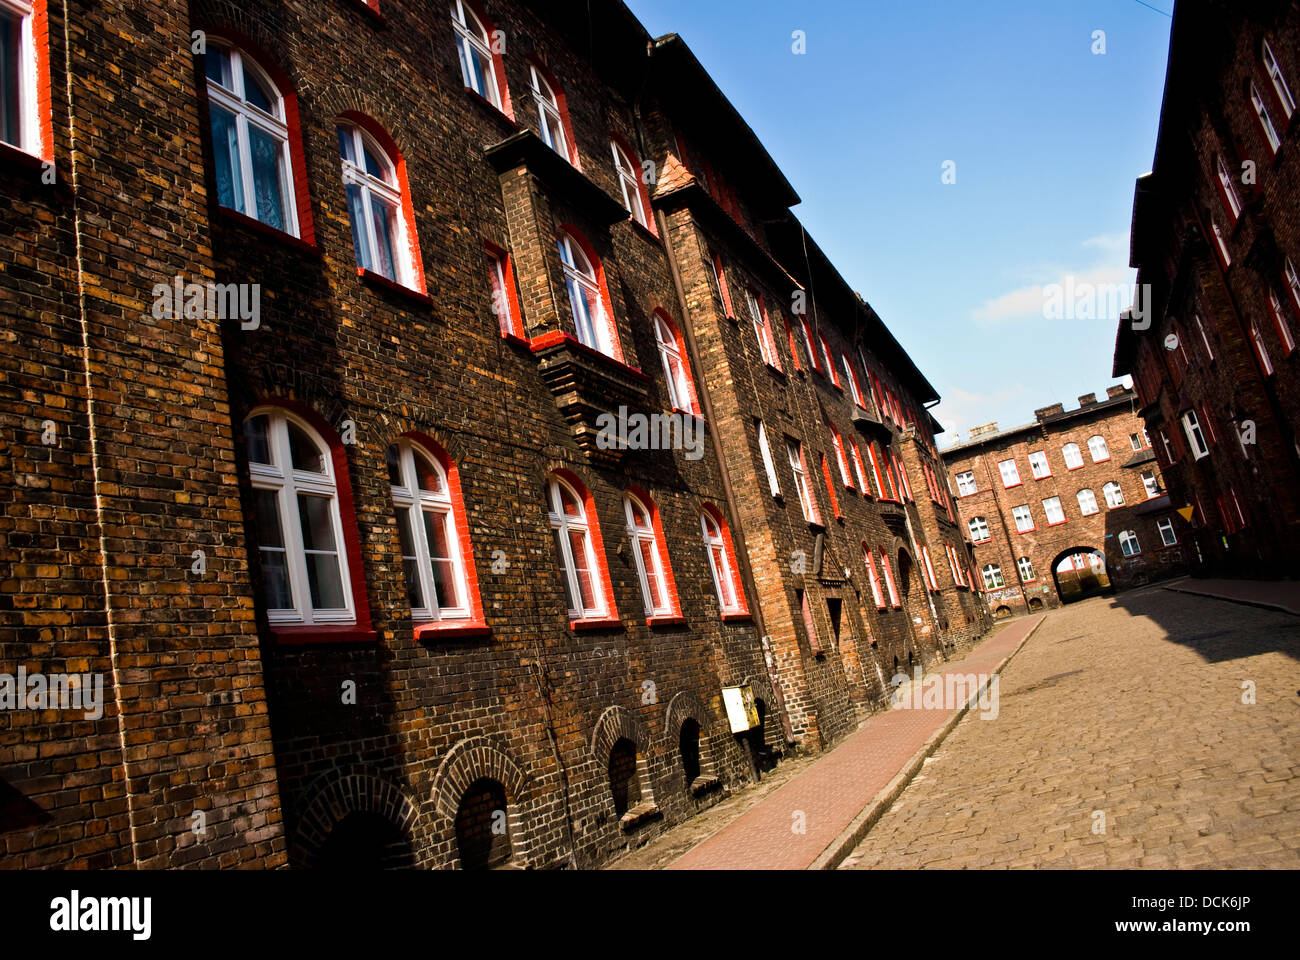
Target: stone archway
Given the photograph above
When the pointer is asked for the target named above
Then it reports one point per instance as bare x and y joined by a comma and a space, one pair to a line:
357, 820
1080, 572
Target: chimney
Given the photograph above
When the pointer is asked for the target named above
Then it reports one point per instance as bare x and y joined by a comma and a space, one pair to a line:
1087, 400
1042, 413
1115, 391
986, 430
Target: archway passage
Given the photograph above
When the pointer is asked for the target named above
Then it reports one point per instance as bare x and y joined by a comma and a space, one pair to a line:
366, 841
1080, 572
482, 826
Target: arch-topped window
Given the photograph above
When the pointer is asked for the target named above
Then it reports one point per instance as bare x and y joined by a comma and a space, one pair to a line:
681, 389
648, 553
1087, 502
1279, 81
591, 320
629, 181
722, 561
979, 529
581, 555
1265, 119
1114, 495
382, 237
992, 574
1097, 447
299, 527
480, 66
1073, 456
430, 527
250, 138
550, 114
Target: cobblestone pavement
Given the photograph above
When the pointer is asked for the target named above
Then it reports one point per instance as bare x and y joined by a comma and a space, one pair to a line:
1132, 708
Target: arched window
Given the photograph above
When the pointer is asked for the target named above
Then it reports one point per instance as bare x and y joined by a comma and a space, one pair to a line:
1279, 81
250, 139
592, 323
478, 64
1279, 321
1114, 495
1265, 121
629, 181
1073, 456
651, 563
722, 562
1026, 567
581, 569
1228, 189
1097, 447
992, 574
889, 578
430, 534
550, 115
840, 456
299, 530
24, 62
1087, 502
681, 392
380, 234
876, 593
1261, 350
1128, 543
979, 529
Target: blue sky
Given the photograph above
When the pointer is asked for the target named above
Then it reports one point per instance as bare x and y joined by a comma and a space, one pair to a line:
1047, 139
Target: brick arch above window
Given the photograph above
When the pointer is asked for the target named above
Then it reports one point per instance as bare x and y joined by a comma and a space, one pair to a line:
472, 759
346, 790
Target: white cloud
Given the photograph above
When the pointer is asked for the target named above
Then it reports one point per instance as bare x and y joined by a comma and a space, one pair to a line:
962, 409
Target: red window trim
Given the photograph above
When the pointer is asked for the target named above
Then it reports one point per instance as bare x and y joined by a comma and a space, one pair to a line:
768, 337
862, 470
664, 315
875, 469
516, 320
297, 158
598, 548
861, 402
737, 582
498, 64
794, 350
895, 599
370, 7
362, 630
1279, 322
562, 102
816, 518
829, 356
873, 579
931, 579
44, 93
724, 291
598, 266
812, 346
830, 488
1020, 532
635, 160
661, 546
809, 626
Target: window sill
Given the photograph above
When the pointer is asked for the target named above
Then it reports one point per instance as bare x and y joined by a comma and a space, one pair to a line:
704, 784
515, 339
1012, 486
737, 616
641, 813
602, 623
646, 232
302, 633
1021, 533
1059, 523
383, 283
454, 628
246, 222
375, 15
666, 621
775, 370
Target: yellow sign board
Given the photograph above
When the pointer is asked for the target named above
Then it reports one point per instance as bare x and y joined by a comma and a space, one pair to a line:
742, 714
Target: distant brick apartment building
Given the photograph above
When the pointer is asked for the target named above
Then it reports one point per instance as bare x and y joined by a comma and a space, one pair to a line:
1216, 238
1067, 506
368, 576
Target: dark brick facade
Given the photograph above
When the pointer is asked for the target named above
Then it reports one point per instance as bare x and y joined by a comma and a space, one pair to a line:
525, 739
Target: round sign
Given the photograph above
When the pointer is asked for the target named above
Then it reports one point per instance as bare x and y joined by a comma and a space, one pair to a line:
1171, 342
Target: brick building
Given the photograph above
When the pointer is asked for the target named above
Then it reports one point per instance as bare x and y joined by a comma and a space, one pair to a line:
1216, 241
382, 391
1067, 506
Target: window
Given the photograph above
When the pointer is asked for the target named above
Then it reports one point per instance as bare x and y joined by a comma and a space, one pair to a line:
852, 378
830, 489
1229, 191
1087, 502
1097, 447
953, 565
586, 297
681, 393
859, 470
22, 60
722, 561
1279, 81
1113, 494
720, 279
766, 344
550, 115
478, 66
380, 235
966, 483
826, 356
841, 458
1010, 473
1222, 245
651, 565
1279, 320
929, 568
875, 471
1073, 458
979, 530
1293, 282
1135, 441
1024, 518
250, 139
903, 480
877, 594
299, 526
1205, 340
1261, 351
1167, 536
794, 450
1265, 121
1039, 465
808, 344
765, 451
1150, 483
1026, 568
576, 548
1128, 543
993, 577
504, 302
629, 182
889, 578
427, 529
1195, 437
794, 349
1052, 508
808, 625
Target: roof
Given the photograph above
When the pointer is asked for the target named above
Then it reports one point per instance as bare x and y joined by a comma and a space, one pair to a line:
1141, 457
1048, 421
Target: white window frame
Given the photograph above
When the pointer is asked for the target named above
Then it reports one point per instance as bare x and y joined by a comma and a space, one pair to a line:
964, 481
287, 483
592, 331
1265, 121
852, 380
1151, 484
794, 453
1087, 505
841, 457
472, 39
992, 575
1093, 443
889, 579
1114, 494
1205, 339
769, 465
390, 194
1279, 321
1168, 537
633, 507
1039, 459
715, 545
563, 524
247, 115
1229, 189
1025, 566
1261, 349
550, 119
1010, 471
410, 497
27, 96
1221, 243
1274, 71
929, 568
976, 523
501, 293
827, 356
1292, 282
766, 343
1053, 504
629, 182
1072, 455
859, 469
1128, 543
670, 355
1135, 442
1024, 518
1196, 441
873, 577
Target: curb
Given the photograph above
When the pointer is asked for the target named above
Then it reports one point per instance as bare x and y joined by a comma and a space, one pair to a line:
852, 835
1261, 604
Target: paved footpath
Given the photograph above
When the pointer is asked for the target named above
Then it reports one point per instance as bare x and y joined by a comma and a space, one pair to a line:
826, 798
1156, 729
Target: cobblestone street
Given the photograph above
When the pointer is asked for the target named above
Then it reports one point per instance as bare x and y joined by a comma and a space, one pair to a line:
1128, 709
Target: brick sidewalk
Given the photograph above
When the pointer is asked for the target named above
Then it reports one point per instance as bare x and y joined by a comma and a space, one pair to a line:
1281, 595
840, 785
